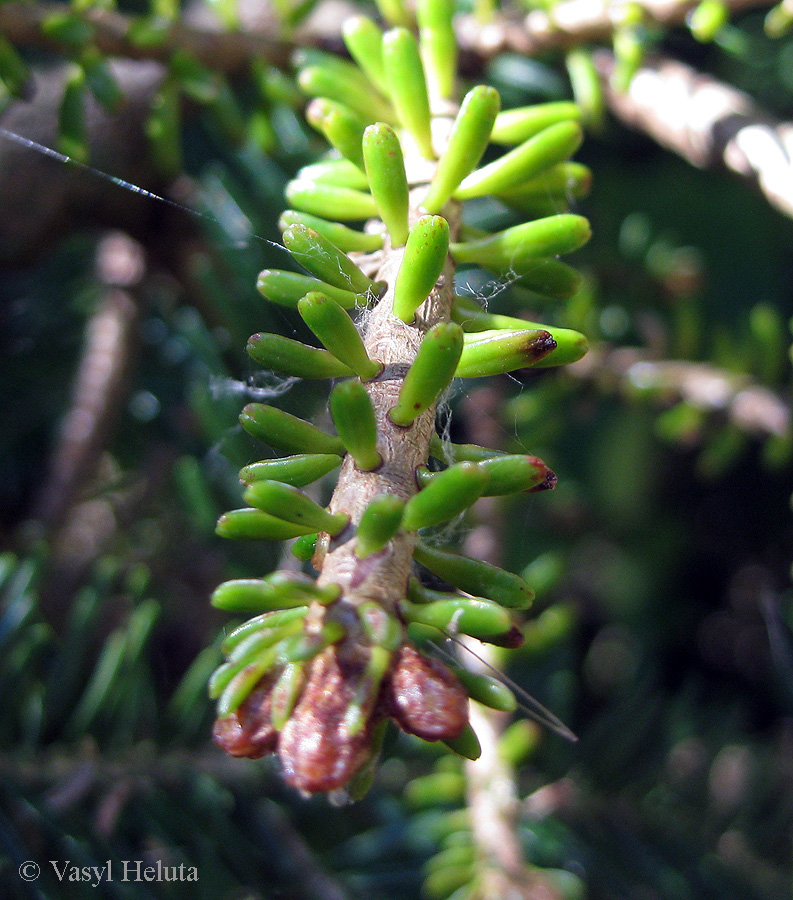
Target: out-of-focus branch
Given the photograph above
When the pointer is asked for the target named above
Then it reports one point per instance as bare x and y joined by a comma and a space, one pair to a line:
314, 882
565, 24
43, 198
227, 51
113, 781
101, 381
491, 791
750, 407
571, 22
707, 123
703, 120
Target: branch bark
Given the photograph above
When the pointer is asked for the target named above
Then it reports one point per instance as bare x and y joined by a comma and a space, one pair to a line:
228, 51
101, 382
707, 123
383, 577
751, 407
570, 23
491, 789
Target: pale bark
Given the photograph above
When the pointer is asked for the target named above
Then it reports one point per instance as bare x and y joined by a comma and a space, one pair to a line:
383, 577
227, 51
491, 782
707, 123
101, 382
754, 409
570, 23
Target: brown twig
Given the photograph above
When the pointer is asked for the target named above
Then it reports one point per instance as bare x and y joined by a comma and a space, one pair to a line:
491, 790
24, 24
707, 123
100, 383
395, 345
570, 23
68, 780
751, 407
565, 24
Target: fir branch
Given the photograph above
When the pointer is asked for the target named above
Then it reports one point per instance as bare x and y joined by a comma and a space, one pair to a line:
101, 381
491, 790
226, 51
403, 449
318, 691
706, 122
752, 408
570, 23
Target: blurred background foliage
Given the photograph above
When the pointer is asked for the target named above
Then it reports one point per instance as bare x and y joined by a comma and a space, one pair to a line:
662, 629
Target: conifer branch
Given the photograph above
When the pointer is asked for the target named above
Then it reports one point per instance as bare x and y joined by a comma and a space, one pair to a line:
101, 380
706, 122
570, 23
316, 676
24, 24
403, 449
752, 408
491, 790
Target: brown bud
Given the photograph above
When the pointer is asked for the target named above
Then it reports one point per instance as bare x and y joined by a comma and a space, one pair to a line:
425, 698
315, 750
249, 731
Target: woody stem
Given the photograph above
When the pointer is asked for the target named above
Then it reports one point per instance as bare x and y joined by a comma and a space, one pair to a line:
383, 577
